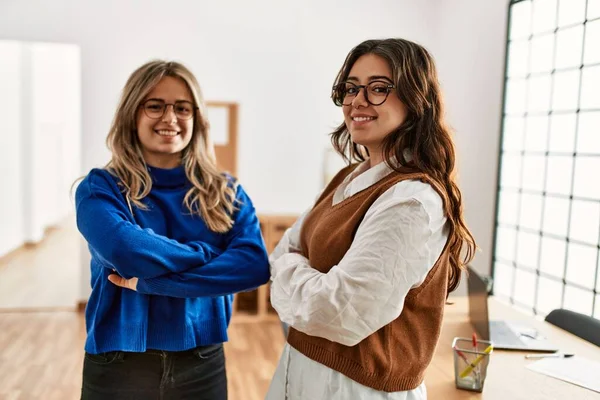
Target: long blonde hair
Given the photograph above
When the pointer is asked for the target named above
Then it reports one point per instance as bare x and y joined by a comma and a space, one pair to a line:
212, 195
424, 134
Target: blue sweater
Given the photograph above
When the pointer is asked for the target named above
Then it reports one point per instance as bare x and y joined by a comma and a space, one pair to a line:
187, 273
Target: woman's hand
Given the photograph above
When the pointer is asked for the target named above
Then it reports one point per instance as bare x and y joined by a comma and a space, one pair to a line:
122, 282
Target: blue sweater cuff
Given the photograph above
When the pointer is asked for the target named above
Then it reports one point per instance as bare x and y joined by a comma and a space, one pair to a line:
160, 287
142, 287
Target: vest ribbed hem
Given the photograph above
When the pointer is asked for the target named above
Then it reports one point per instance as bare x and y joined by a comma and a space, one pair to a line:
353, 370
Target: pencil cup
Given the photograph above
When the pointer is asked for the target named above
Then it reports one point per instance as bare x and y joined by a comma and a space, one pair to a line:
470, 363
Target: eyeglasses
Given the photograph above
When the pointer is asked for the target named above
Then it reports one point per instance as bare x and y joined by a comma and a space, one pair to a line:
376, 92
155, 109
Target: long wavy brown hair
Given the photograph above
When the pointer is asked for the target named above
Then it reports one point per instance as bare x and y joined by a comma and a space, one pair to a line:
212, 195
424, 135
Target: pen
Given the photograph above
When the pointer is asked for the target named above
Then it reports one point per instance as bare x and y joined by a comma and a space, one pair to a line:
466, 360
475, 362
475, 348
554, 355
462, 355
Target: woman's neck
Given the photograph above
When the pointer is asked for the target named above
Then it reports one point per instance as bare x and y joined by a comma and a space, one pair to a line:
163, 161
375, 157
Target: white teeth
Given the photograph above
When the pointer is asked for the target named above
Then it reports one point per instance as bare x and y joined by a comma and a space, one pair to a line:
167, 133
362, 119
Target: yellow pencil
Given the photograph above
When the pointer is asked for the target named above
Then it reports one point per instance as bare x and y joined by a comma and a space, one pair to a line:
469, 369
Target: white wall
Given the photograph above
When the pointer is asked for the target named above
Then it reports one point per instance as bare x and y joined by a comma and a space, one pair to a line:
11, 176
278, 60
471, 62
40, 110
54, 152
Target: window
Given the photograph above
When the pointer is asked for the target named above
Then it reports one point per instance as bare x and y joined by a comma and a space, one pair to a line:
547, 229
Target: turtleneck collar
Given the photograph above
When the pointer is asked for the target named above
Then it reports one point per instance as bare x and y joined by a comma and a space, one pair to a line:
174, 177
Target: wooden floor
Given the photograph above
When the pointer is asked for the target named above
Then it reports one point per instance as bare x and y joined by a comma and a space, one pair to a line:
46, 275
42, 336
41, 356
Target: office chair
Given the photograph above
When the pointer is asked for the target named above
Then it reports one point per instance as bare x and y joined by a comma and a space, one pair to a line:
584, 326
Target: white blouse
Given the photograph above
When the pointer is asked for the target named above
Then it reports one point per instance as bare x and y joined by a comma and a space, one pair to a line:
399, 240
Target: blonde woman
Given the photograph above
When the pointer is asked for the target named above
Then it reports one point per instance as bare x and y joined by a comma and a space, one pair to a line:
171, 239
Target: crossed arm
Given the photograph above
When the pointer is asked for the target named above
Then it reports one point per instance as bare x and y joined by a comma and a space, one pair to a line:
120, 244
367, 288
155, 264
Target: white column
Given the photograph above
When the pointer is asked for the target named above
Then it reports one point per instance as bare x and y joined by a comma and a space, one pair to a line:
12, 139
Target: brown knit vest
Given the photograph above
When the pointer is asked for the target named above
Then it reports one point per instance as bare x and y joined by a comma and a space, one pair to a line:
395, 357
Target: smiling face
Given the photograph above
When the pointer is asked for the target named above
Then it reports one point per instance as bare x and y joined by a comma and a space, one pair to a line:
368, 125
163, 139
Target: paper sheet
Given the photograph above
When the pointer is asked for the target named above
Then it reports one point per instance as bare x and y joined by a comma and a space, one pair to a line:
576, 370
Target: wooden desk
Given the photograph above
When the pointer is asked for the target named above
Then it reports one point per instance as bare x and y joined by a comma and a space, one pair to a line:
507, 377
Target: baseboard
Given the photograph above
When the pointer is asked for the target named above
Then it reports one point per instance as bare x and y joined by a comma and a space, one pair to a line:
6, 258
27, 245
81, 305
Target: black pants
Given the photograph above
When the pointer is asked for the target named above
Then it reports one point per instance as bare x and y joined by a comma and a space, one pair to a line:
197, 374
